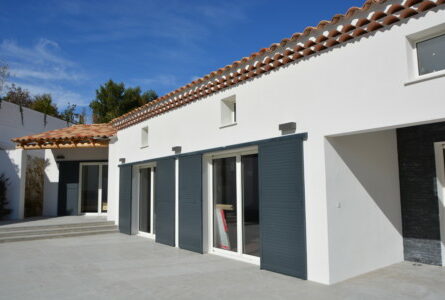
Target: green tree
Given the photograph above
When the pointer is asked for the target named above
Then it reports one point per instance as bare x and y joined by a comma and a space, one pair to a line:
68, 114
82, 116
44, 104
113, 100
18, 96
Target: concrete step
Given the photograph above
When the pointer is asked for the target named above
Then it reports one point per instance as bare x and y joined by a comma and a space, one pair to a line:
25, 227
21, 238
55, 230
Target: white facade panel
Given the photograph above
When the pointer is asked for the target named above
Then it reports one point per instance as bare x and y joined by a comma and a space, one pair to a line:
356, 87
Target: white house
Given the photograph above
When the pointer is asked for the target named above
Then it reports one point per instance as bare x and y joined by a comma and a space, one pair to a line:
15, 123
320, 157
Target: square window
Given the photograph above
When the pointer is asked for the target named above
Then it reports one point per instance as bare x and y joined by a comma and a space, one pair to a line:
228, 111
431, 55
144, 137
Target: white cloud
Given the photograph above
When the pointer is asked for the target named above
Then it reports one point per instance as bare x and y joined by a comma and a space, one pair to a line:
61, 95
42, 68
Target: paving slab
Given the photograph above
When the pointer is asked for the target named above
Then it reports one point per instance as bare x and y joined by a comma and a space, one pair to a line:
117, 266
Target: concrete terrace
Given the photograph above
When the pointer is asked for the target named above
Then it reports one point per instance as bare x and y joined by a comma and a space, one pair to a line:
117, 266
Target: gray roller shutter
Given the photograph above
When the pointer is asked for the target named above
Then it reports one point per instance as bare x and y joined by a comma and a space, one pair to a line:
190, 203
165, 201
282, 207
125, 191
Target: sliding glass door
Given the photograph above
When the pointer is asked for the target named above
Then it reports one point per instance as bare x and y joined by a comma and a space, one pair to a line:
236, 204
93, 188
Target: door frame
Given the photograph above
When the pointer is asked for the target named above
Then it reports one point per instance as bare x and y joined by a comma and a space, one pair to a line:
439, 149
208, 209
99, 189
136, 193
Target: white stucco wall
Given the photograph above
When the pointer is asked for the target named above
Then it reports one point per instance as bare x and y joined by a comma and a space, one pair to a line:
113, 181
364, 212
13, 161
357, 87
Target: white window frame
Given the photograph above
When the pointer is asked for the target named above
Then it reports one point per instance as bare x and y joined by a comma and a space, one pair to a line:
145, 132
99, 193
225, 110
439, 148
136, 194
413, 62
209, 209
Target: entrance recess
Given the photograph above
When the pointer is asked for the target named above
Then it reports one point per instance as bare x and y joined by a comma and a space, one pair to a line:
93, 188
146, 210
235, 206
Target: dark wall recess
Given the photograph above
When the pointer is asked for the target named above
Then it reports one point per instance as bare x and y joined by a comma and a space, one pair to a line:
68, 176
418, 191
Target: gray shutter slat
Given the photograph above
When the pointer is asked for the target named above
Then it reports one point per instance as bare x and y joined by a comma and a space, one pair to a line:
190, 203
125, 190
165, 201
282, 207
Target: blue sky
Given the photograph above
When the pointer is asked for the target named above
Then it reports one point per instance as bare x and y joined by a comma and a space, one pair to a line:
70, 48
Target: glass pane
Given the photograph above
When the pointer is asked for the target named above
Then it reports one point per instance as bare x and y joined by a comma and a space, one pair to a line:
90, 186
251, 218
104, 188
144, 199
431, 55
224, 202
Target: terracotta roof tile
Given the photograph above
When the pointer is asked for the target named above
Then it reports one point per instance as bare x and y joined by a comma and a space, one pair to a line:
299, 45
75, 132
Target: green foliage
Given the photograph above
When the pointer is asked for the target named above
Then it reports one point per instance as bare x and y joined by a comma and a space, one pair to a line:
113, 100
4, 182
18, 96
82, 117
41, 103
68, 114
35, 173
44, 104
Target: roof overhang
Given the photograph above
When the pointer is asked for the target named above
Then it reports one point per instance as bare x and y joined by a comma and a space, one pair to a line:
76, 136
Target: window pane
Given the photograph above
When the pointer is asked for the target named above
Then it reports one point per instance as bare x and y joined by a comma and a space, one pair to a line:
144, 199
251, 218
104, 188
224, 201
431, 55
90, 186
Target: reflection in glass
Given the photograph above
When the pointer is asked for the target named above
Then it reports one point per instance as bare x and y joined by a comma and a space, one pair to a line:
225, 210
431, 55
104, 188
251, 218
144, 199
89, 192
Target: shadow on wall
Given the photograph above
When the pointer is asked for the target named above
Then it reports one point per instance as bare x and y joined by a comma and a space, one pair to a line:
11, 171
372, 160
363, 200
